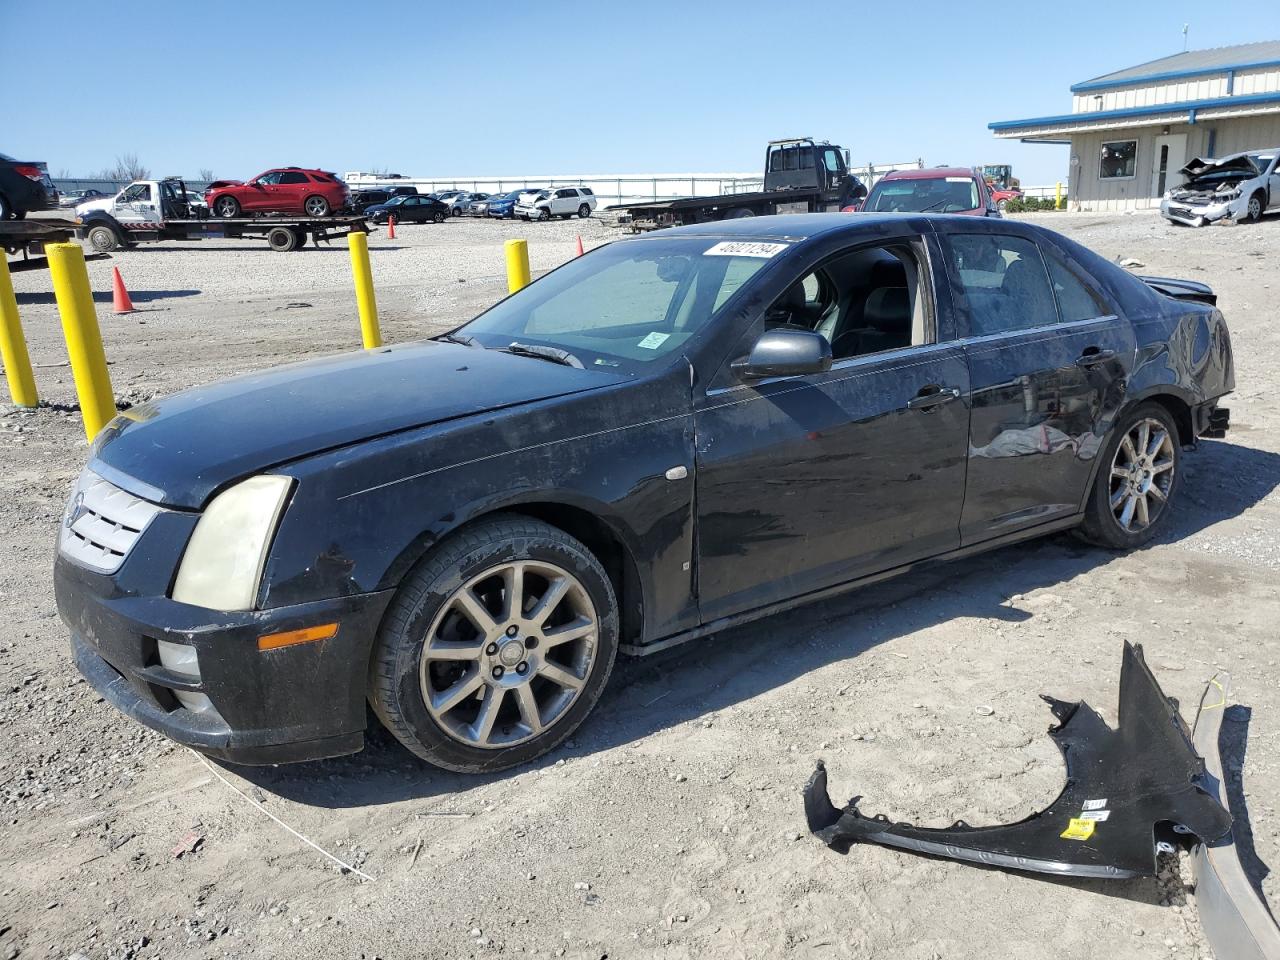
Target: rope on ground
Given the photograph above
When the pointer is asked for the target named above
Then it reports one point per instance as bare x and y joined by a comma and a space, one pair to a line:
315, 846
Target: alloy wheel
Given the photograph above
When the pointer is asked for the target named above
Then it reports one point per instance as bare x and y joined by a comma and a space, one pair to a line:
1142, 475
1255, 208
509, 653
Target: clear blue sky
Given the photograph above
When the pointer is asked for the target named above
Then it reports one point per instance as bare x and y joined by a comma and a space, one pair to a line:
454, 89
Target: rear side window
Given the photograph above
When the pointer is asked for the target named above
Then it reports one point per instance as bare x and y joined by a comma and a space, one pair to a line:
586, 191
1004, 283
321, 178
292, 178
1075, 300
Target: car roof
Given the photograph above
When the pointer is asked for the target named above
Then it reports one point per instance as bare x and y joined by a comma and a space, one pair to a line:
796, 226
930, 173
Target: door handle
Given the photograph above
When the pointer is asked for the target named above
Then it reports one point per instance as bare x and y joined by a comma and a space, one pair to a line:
1093, 356
932, 396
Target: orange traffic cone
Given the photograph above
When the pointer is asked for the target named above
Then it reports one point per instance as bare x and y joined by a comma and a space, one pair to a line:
120, 302
391, 227
580, 250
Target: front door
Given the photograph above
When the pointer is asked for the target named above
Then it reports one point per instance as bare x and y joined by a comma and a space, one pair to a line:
809, 481
1048, 360
1168, 157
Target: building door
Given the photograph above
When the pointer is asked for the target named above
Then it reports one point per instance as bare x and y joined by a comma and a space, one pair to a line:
1168, 158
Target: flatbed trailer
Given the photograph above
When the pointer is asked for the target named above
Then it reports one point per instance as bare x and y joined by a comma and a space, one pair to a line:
149, 211
28, 238
801, 176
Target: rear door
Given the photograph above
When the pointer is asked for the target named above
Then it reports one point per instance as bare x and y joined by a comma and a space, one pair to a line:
810, 481
292, 189
1048, 360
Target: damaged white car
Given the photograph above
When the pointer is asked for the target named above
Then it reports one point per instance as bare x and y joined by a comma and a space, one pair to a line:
1241, 187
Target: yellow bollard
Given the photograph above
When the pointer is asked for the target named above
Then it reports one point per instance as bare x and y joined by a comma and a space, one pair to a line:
13, 345
84, 340
358, 244
1057, 202
517, 265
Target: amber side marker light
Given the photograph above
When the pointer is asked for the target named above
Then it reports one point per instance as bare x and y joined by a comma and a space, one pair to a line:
273, 641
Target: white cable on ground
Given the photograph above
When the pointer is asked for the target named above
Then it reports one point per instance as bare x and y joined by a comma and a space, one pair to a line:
315, 846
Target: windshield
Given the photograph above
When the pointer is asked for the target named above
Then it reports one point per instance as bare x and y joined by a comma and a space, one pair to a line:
627, 304
1262, 160
394, 200
920, 194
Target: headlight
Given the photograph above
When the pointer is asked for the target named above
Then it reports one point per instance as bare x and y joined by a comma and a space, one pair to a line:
223, 562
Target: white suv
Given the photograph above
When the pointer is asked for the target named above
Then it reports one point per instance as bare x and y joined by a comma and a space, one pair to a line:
555, 202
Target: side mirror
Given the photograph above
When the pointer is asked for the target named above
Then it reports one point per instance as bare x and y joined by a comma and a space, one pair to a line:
785, 353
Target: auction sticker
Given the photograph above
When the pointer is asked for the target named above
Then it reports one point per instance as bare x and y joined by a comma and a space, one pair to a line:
654, 340
745, 248
1078, 829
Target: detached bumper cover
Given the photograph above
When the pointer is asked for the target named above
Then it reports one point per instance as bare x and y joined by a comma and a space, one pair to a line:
300, 702
1123, 786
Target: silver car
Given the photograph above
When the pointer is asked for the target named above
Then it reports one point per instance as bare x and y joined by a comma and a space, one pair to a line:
1240, 187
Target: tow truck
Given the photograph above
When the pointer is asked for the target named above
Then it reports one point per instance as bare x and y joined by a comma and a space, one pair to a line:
153, 210
801, 175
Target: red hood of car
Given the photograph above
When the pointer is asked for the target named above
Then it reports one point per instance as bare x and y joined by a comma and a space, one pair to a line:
219, 184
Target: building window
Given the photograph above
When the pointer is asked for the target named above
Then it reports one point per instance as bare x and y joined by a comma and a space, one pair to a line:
1118, 160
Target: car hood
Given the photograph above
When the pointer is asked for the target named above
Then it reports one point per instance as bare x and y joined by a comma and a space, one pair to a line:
181, 449
97, 203
219, 184
1237, 164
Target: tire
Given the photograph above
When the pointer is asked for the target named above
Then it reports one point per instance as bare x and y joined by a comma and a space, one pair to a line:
103, 238
302, 238
1257, 204
6, 208
740, 214
584, 211
226, 208
427, 613
1002, 204
544, 213
316, 206
437, 217
1119, 472
281, 239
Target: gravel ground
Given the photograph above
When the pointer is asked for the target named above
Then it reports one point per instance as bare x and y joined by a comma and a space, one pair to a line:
671, 826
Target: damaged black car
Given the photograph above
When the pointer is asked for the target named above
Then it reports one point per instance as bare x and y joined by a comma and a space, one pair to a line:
671, 435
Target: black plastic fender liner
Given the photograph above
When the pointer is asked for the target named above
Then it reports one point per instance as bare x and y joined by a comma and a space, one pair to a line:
1234, 917
1123, 786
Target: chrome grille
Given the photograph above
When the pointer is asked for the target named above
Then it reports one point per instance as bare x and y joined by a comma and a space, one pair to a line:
102, 523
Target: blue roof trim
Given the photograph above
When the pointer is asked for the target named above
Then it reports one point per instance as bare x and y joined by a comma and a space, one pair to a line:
1187, 106
1103, 84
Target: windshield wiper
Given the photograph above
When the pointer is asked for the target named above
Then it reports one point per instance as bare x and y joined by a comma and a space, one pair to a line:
461, 338
941, 203
554, 354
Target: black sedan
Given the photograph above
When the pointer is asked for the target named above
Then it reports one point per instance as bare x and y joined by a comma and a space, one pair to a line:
410, 209
670, 435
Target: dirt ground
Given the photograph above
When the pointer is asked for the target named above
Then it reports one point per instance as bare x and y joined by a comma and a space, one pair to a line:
671, 825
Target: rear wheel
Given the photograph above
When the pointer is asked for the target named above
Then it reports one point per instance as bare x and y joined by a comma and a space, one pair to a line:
6, 208
496, 647
437, 217
226, 208
316, 206
103, 239
584, 211
1138, 478
281, 239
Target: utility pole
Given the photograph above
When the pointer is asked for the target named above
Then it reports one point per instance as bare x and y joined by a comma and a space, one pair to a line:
1185, 26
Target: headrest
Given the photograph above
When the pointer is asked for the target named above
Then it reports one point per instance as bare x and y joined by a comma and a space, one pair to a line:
888, 308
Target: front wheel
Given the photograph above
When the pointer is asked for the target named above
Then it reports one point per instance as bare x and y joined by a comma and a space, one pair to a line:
496, 646
316, 206
226, 208
544, 214
103, 239
1138, 477
1254, 211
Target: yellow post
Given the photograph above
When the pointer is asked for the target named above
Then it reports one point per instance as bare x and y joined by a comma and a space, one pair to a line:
517, 265
84, 340
358, 244
13, 345
1057, 202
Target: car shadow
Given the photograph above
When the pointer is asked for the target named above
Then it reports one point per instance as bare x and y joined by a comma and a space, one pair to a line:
692, 680
104, 296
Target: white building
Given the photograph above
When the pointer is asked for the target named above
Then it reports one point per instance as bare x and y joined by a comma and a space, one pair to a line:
1132, 131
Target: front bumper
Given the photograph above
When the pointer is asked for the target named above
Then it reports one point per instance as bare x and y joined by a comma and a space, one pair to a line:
1197, 215
302, 702
532, 212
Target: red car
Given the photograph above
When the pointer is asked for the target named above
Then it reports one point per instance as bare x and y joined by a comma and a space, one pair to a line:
932, 190
315, 193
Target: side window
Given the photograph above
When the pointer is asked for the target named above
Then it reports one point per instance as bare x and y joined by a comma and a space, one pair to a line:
586, 191
137, 193
1003, 281
565, 193
864, 301
269, 179
292, 178
1075, 300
